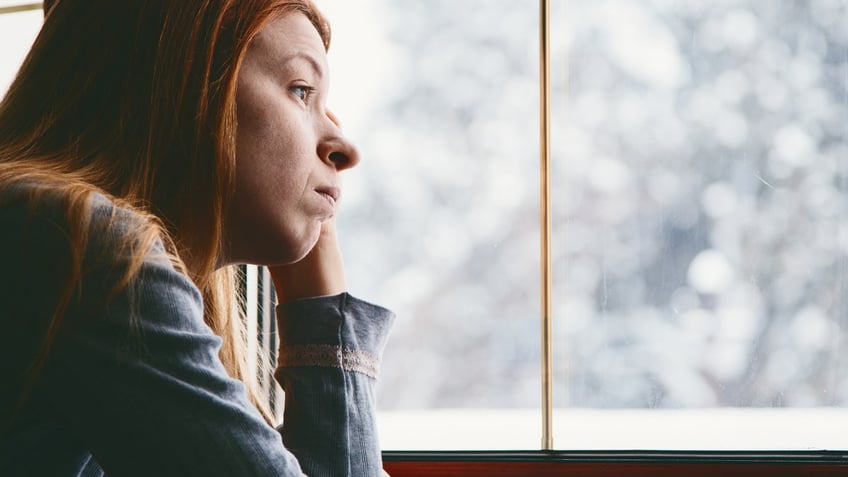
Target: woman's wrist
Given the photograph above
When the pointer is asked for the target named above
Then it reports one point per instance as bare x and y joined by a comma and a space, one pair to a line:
339, 331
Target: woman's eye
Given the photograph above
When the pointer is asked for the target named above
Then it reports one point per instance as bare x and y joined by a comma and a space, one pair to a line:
303, 92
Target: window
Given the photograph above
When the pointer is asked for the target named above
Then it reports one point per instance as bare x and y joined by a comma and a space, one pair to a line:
18, 27
699, 252
440, 220
700, 168
699, 173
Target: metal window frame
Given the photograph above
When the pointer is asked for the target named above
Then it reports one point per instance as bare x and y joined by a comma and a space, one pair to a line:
545, 223
23, 7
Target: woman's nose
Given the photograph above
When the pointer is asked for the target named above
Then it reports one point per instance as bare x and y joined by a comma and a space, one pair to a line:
336, 149
338, 152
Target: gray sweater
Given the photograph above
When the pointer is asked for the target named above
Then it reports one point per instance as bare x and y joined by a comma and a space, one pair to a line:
148, 395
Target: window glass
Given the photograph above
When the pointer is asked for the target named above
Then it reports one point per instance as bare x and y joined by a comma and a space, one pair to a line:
17, 31
701, 244
440, 220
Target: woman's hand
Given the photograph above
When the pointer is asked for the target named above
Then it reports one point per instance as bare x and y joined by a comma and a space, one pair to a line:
320, 273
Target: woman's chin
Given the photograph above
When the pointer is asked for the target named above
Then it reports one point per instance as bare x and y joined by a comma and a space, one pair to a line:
295, 249
281, 251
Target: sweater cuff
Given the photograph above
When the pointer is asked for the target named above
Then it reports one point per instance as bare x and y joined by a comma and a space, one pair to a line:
338, 331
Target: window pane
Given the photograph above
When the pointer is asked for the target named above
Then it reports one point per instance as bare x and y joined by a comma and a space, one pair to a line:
440, 221
17, 31
700, 204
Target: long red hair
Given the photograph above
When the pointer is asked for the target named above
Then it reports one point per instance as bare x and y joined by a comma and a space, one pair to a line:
135, 99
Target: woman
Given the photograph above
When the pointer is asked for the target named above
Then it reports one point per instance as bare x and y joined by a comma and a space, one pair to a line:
146, 147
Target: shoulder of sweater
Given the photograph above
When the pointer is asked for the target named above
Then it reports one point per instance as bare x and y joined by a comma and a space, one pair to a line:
40, 214
44, 201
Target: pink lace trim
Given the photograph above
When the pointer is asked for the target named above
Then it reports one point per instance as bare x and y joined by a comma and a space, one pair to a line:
329, 356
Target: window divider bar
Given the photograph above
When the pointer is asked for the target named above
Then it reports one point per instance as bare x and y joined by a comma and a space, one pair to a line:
252, 319
545, 209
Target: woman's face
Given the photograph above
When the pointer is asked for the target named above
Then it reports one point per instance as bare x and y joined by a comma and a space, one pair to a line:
289, 149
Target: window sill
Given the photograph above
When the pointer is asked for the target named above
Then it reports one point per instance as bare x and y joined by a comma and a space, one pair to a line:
609, 463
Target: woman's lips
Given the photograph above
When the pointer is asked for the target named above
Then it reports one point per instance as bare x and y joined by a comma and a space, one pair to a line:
330, 194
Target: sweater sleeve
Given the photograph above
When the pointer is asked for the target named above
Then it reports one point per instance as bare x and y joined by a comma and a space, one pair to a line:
141, 385
327, 364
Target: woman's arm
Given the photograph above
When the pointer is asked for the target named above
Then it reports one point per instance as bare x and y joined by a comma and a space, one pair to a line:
140, 386
329, 356
328, 364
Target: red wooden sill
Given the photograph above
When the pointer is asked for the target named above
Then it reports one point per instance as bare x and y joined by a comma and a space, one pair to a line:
624, 464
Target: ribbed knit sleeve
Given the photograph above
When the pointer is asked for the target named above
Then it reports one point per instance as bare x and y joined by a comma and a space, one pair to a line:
328, 363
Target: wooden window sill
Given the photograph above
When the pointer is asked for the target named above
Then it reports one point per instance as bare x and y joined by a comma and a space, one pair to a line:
609, 464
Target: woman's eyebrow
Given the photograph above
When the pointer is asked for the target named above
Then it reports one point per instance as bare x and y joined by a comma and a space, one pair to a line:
316, 66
